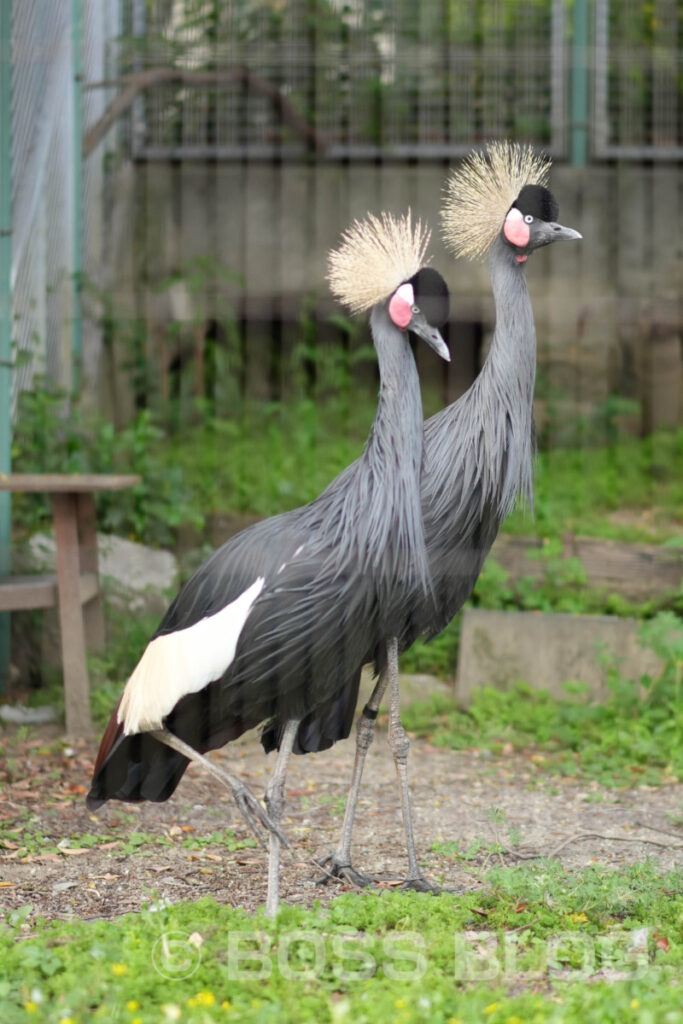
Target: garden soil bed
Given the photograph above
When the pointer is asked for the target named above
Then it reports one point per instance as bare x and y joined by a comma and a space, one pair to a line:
43, 781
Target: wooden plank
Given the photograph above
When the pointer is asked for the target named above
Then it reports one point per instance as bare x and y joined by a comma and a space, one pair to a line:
633, 273
20, 593
230, 249
664, 365
262, 217
39, 590
76, 685
66, 483
93, 615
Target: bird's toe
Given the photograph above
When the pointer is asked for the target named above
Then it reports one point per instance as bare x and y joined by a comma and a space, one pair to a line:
336, 869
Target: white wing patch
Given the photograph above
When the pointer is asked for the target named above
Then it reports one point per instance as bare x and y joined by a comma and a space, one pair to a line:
183, 662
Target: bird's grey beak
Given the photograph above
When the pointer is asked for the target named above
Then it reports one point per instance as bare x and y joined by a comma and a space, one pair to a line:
558, 233
420, 325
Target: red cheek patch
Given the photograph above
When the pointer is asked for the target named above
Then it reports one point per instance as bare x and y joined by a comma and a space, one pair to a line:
515, 229
401, 306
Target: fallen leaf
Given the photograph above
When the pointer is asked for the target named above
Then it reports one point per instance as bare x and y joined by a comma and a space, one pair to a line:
661, 942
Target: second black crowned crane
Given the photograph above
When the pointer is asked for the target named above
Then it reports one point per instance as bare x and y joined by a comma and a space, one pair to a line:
284, 612
478, 451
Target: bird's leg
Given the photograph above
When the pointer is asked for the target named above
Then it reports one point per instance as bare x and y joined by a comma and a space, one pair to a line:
338, 863
249, 806
275, 802
400, 745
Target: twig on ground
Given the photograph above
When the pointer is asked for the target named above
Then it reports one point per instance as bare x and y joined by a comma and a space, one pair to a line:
616, 839
663, 831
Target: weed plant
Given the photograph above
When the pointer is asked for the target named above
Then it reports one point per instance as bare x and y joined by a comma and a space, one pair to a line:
534, 944
634, 737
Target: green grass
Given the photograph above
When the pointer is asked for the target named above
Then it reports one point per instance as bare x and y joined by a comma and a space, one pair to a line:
633, 737
273, 456
577, 490
37, 838
536, 944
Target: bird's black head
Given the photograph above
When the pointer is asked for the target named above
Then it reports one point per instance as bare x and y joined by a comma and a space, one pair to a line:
421, 305
531, 222
431, 295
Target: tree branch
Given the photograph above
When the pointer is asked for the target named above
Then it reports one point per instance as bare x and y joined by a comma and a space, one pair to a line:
133, 85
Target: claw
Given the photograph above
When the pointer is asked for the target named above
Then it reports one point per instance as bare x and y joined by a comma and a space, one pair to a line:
344, 871
420, 884
248, 805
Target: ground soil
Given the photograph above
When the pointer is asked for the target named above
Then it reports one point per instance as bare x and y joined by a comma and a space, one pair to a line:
43, 781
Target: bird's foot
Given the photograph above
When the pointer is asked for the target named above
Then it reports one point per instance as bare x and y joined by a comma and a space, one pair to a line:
419, 884
255, 814
334, 868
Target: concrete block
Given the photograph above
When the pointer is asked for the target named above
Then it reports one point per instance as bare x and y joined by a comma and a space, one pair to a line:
137, 576
546, 650
411, 687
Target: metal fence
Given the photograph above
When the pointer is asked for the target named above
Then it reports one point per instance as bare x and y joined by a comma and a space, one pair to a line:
638, 99
372, 78
55, 211
392, 79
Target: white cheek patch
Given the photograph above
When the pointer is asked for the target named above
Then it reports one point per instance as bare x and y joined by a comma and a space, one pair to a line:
401, 305
183, 662
405, 292
515, 229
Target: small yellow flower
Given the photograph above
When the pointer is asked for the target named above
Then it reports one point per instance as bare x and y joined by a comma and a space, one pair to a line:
491, 1008
400, 1004
514, 1020
226, 1005
136, 1020
118, 970
635, 1003
205, 999
66, 1020
132, 1005
578, 918
30, 1006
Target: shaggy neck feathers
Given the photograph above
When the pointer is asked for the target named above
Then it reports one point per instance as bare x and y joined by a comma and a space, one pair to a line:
488, 443
390, 545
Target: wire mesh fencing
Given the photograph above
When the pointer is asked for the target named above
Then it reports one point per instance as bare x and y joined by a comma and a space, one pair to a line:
45, 156
375, 78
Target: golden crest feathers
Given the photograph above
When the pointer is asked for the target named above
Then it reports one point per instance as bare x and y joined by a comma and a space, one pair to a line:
482, 190
375, 256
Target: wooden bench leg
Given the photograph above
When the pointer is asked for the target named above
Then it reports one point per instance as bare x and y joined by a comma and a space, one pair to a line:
93, 616
76, 685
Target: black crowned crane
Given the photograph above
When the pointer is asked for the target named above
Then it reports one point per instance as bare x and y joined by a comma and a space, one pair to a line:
478, 452
283, 615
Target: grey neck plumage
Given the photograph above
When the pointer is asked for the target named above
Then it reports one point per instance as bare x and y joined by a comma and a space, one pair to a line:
509, 376
384, 510
479, 451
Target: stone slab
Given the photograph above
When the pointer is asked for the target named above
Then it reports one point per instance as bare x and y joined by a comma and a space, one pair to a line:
140, 576
545, 650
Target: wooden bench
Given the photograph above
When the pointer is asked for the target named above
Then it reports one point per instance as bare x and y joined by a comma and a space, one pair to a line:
74, 588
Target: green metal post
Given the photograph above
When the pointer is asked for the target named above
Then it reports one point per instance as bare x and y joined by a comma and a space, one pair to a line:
77, 191
578, 140
5, 309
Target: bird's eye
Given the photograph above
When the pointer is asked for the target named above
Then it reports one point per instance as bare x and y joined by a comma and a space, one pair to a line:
528, 219
415, 309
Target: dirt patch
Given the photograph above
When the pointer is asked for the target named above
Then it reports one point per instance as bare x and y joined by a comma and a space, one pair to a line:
471, 797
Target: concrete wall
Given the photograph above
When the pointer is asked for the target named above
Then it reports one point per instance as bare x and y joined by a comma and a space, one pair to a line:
608, 309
